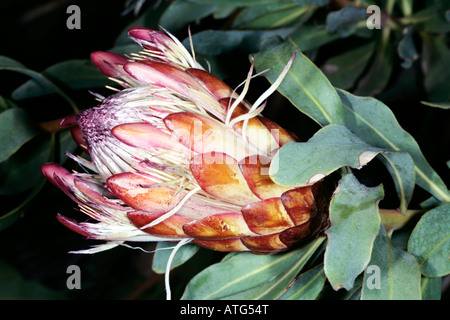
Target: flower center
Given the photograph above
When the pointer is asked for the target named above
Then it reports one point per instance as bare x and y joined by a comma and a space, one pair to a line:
96, 123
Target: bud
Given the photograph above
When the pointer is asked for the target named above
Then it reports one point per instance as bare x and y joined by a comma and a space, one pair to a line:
177, 154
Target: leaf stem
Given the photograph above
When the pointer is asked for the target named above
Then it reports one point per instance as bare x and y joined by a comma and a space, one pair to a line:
390, 6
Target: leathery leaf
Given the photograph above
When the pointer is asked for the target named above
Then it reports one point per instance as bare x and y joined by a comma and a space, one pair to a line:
249, 276
355, 222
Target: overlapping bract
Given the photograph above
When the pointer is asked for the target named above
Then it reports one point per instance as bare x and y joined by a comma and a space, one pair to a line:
178, 154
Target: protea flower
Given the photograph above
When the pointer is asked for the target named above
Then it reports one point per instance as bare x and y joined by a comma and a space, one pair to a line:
177, 154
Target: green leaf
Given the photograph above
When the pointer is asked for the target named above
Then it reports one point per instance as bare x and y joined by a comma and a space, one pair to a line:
406, 7
441, 105
236, 2
373, 122
6, 104
224, 11
12, 65
379, 73
11, 216
308, 37
432, 19
431, 202
15, 130
430, 241
431, 288
394, 219
345, 20
271, 16
331, 148
343, 70
436, 54
216, 42
301, 85
392, 273
401, 167
355, 292
406, 48
163, 251
307, 286
368, 118
354, 225
180, 13
274, 287
22, 171
304, 85
311, 2
74, 74
259, 276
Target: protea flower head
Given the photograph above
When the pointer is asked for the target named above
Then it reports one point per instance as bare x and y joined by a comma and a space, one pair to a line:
177, 154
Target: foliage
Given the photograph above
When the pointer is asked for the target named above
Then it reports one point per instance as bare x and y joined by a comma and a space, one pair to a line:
373, 114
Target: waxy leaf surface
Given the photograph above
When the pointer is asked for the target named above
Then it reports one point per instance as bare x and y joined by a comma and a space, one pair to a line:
259, 276
355, 223
430, 241
392, 273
